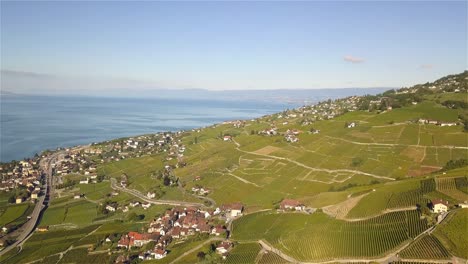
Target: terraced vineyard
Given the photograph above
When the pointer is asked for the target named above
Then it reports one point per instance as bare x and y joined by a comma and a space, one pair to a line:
244, 253
449, 187
318, 237
428, 185
271, 258
462, 184
426, 247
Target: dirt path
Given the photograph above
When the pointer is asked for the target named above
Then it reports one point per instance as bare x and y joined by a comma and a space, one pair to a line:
312, 168
395, 145
244, 180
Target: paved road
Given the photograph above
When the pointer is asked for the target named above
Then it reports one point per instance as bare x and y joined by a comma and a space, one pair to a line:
28, 227
152, 201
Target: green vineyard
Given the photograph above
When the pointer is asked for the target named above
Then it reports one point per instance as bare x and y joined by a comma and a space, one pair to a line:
271, 258
462, 184
425, 247
244, 253
428, 185
319, 237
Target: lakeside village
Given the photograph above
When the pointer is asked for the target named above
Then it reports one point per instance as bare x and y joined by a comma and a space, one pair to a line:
83, 161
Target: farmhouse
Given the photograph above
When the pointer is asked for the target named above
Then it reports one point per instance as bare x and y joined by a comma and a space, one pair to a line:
449, 124
110, 208
159, 253
223, 247
234, 209
439, 206
290, 204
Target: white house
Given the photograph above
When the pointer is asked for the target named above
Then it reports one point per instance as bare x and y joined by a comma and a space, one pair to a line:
439, 206
110, 208
159, 253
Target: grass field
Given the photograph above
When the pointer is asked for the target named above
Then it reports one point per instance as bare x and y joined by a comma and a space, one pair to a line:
13, 212
319, 237
56, 242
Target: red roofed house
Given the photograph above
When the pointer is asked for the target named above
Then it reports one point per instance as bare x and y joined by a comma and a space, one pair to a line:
289, 204
223, 248
439, 206
159, 253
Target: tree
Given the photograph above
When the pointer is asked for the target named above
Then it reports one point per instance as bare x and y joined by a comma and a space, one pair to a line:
166, 181
201, 255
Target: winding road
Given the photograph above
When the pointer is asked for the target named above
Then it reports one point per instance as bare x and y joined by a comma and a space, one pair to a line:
152, 201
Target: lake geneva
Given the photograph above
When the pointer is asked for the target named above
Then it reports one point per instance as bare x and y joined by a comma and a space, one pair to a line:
30, 124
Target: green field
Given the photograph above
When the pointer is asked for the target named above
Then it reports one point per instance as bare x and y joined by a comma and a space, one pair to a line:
318, 237
13, 212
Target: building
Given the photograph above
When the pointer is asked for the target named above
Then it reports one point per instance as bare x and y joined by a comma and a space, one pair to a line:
19, 200
233, 210
439, 206
290, 204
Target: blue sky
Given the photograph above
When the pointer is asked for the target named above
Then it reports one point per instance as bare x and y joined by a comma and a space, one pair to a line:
103, 46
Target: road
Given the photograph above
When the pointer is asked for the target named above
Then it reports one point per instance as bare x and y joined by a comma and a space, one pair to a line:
152, 201
41, 204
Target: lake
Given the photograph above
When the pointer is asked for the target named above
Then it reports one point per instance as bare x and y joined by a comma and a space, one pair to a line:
30, 124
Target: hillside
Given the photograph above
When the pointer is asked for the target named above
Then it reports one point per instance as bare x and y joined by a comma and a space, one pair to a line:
365, 167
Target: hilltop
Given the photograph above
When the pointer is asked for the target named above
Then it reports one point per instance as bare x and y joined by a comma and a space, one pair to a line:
362, 174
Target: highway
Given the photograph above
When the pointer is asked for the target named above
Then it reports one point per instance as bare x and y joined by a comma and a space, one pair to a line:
27, 228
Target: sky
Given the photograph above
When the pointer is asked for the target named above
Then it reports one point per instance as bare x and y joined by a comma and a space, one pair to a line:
125, 47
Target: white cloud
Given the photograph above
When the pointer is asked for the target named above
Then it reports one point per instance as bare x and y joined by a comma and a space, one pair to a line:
353, 59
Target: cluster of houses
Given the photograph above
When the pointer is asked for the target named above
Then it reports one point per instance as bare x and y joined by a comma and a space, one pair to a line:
200, 190
290, 204
291, 135
436, 122
235, 123
178, 224
25, 173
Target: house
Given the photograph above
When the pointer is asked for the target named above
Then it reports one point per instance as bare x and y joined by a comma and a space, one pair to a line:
77, 196
290, 204
146, 205
227, 138
217, 230
150, 195
124, 242
351, 125
223, 247
449, 124
463, 205
439, 206
19, 200
110, 208
159, 253
234, 209
34, 194
84, 181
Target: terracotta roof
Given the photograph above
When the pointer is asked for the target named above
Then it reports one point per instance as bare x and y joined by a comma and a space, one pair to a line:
440, 201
